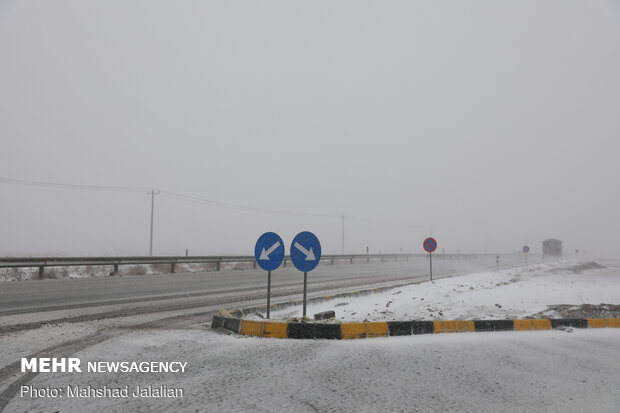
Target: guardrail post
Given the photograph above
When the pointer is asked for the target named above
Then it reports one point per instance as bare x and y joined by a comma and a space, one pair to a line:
332, 261
173, 267
367, 259
351, 260
115, 271
218, 264
395, 258
41, 271
382, 259
284, 263
254, 264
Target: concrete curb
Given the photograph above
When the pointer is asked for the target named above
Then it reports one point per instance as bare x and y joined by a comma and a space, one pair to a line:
346, 331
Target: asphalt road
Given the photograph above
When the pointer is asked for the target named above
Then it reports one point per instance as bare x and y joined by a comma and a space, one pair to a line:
57, 294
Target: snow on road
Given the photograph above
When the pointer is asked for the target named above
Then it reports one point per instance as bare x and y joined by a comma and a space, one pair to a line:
550, 371
512, 293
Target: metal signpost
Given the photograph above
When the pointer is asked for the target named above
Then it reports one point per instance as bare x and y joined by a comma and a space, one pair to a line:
305, 254
269, 253
430, 245
526, 249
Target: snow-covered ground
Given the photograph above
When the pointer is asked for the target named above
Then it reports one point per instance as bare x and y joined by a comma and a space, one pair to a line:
513, 293
564, 371
546, 371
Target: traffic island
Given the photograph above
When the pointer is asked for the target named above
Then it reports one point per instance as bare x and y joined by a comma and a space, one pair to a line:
346, 331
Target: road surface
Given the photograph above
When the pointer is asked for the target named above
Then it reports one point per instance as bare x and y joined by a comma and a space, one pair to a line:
32, 301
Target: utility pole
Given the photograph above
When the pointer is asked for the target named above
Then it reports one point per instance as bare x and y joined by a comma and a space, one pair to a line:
152, 193
342, 234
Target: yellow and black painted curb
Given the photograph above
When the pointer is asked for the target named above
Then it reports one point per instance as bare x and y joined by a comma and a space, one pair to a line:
397, 328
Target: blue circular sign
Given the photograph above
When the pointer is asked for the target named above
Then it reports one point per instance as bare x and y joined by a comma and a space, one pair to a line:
430, 244
305, 251
269, 251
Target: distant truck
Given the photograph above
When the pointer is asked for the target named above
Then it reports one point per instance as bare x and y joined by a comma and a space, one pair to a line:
552, 248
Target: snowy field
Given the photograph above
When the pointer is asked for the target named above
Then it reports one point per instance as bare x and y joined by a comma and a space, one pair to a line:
506, 294
545, 371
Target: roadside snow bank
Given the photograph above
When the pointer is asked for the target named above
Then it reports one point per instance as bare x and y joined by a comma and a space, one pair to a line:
505, 294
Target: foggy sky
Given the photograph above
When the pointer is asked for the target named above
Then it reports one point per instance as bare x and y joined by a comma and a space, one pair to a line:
494, 123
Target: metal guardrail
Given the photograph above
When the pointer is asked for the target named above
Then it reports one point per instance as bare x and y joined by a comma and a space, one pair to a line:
115, 262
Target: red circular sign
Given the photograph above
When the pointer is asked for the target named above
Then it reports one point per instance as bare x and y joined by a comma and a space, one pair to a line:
526, 249
430, 244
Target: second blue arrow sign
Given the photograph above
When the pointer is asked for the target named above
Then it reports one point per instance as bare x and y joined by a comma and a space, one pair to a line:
305, 251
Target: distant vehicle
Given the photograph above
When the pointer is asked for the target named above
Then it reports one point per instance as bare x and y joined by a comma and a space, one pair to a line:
552, 247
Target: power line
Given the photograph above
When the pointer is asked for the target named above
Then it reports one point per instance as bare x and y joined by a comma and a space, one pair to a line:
169, 194
385, 223
200, 200
212, 202
71, 186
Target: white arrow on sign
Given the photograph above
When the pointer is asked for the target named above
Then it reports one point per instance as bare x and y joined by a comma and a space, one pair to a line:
265, 254
309, 254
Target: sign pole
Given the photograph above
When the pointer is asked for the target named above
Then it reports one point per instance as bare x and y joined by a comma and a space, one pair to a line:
305, 289
268, 293
306, 255
526, 258
430, 260
269, 253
